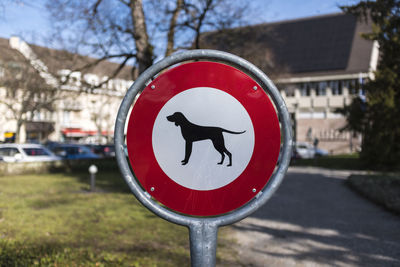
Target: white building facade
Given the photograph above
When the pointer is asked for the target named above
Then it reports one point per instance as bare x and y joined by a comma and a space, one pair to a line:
78, 116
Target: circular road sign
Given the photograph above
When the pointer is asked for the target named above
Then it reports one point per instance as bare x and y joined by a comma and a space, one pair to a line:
203, 138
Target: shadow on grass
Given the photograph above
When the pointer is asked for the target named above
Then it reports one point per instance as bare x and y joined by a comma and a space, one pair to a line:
51, 202
52, 253
108, 178
106, 181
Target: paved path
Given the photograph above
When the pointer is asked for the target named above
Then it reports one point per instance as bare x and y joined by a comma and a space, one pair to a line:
314, 219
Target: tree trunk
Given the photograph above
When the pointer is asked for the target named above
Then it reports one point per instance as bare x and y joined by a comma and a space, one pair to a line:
172, 26
18, 132
143, 47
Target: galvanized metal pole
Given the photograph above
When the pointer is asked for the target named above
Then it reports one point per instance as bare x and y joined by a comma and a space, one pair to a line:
92, 171
92, 182
203, 244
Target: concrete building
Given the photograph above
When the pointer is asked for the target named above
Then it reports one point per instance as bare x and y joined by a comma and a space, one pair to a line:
318, 63
79, 111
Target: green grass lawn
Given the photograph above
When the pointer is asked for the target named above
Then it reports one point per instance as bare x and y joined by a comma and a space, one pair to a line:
52, 220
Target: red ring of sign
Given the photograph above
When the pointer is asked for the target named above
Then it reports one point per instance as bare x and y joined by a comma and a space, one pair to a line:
266, 147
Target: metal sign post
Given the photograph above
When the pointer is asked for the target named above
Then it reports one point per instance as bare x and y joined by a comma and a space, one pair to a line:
189, 98
92, 171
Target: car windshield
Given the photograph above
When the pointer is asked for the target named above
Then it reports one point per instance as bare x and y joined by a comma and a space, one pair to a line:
77, 150
109, 149
8, 151
36, 152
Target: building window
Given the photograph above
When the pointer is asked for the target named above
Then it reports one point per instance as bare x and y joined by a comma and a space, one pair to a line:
353, 86
361, 83
336, 87
305, 89
319, 115
289, 93
288, 89
304, 115
320, 88
37, 115
66, 117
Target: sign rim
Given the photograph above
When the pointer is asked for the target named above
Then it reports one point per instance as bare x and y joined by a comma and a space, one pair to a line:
267, 85
260, 177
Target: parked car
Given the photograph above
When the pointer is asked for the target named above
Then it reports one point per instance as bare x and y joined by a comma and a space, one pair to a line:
104, 151
50, 144
72, 151
321, 152
26, 153
303, 150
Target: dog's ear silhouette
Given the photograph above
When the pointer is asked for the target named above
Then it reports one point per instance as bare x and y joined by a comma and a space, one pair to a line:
177, 118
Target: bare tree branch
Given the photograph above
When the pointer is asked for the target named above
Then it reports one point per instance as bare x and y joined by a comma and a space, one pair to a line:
200, 22
26, 92
138, 29
95, 63
95, 6
124, 2
115, 73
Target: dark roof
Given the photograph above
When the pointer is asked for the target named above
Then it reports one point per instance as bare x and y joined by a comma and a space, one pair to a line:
56, 60
324, 44
10, 57
7, 54
62, 59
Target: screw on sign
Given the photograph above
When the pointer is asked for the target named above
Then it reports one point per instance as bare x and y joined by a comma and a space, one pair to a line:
203, 141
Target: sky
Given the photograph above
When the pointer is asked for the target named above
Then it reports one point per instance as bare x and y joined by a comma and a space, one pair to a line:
29, 19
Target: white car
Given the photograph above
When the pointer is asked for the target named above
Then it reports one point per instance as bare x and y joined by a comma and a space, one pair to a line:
304, 150
26, 153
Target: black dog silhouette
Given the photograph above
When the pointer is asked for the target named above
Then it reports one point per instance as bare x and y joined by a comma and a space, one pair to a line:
192, 133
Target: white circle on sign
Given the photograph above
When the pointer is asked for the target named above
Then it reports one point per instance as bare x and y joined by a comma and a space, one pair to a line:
204, 107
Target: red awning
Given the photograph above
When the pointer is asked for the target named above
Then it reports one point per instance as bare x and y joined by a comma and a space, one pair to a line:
78, 132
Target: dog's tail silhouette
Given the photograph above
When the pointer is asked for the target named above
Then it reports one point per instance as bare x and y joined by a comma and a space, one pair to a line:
231, 132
